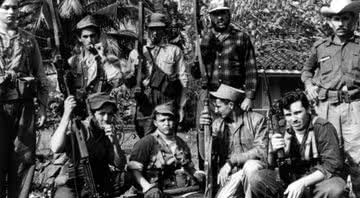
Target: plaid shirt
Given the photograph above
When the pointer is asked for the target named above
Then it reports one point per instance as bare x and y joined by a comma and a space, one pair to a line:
230, 60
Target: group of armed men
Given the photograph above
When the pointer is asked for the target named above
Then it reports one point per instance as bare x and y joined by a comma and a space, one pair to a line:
319, 150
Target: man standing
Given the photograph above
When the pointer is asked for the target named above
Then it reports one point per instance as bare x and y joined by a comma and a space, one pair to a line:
162, 160
240, 142
332, 79
101, 142
311, 144
164, 75
92, 68
229, 58
22, 78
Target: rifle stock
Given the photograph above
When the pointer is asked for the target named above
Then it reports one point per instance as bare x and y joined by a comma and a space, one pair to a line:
207, 130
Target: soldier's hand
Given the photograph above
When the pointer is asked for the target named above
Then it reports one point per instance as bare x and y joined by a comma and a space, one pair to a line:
277, 141
10, 75
295, 189
246, 104
205, 118
100, 49
224, 174
110, 132
69, 105
312, 92
153, 193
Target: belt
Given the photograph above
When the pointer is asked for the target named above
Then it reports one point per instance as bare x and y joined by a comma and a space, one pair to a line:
342, 96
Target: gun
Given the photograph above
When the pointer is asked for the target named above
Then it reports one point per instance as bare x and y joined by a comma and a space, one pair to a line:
281, 160
207, 131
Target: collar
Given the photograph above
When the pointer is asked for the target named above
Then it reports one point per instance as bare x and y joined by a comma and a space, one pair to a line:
239, 122
330, 40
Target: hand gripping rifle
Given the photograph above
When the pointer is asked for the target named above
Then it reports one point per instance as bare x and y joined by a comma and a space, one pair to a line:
207, 130
282, 162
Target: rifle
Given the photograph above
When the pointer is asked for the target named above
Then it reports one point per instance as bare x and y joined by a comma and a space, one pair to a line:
207, 131
83, 168
282, 162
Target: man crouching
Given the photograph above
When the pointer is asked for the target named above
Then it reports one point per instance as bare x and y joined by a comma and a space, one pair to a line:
240, 142
162, 160
311, 145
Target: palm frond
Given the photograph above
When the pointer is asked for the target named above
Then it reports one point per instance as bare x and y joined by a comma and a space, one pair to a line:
70, 8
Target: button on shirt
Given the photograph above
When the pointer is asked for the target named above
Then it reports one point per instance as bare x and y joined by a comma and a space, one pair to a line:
333, 66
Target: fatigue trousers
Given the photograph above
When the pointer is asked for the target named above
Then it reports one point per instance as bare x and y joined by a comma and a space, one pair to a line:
346, 119
264, 185
17, 148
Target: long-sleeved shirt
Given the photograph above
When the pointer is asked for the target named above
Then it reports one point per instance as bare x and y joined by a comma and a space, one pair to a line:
329, 162
230, 59
20, 53
249, 140
332, 66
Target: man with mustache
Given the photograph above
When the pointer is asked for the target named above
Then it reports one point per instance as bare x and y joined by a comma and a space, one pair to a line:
332, 80
229, 57
311, 144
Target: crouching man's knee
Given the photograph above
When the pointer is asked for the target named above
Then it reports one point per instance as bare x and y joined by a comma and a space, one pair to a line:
251, 167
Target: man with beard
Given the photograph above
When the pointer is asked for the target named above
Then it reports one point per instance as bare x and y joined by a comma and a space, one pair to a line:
229, 57
240, 142
332, 80
22, 78
312, 146
101, 142
164, 73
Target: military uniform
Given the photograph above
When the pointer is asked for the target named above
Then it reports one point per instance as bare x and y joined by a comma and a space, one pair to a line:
335, 69
19, 54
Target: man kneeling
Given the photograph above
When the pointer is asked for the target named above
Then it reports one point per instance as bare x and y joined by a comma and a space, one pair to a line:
311, 145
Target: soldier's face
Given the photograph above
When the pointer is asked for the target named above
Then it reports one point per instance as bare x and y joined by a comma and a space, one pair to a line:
343, 24
156, 34
165, 123
297, 116
8, 11
105, 115
89, 37
223, 108
220, 20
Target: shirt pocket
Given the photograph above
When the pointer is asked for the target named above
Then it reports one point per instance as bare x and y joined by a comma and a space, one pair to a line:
246, 144
355, 70
168, 66
326, 65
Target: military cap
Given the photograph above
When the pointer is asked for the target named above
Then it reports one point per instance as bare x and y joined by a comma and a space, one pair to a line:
340, 6
88, 21
166, 108
157, 20
97, 100
228, 93
216, 5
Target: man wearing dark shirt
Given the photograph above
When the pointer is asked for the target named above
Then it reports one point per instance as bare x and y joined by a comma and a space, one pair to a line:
332, 79
311, 144
158, 159
229, 58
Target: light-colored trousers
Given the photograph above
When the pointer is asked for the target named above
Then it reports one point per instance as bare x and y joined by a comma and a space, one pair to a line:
239, 182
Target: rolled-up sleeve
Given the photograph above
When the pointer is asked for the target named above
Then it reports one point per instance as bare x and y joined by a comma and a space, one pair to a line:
329, 151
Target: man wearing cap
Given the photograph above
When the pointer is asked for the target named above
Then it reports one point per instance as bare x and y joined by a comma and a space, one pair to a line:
332, 79
228, 56
22, 78
311, 145
162, 160
240, 140
92, 68
164, 74
101, 142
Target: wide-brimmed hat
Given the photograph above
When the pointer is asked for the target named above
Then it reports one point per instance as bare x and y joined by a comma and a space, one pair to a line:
97, 100
88, 21
228, 93
157, 20
340, 6
216, 5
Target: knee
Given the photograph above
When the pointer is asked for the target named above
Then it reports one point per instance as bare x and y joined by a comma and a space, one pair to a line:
251, 167
331, 190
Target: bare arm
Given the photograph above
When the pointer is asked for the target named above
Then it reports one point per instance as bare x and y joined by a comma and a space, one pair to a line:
57, 141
